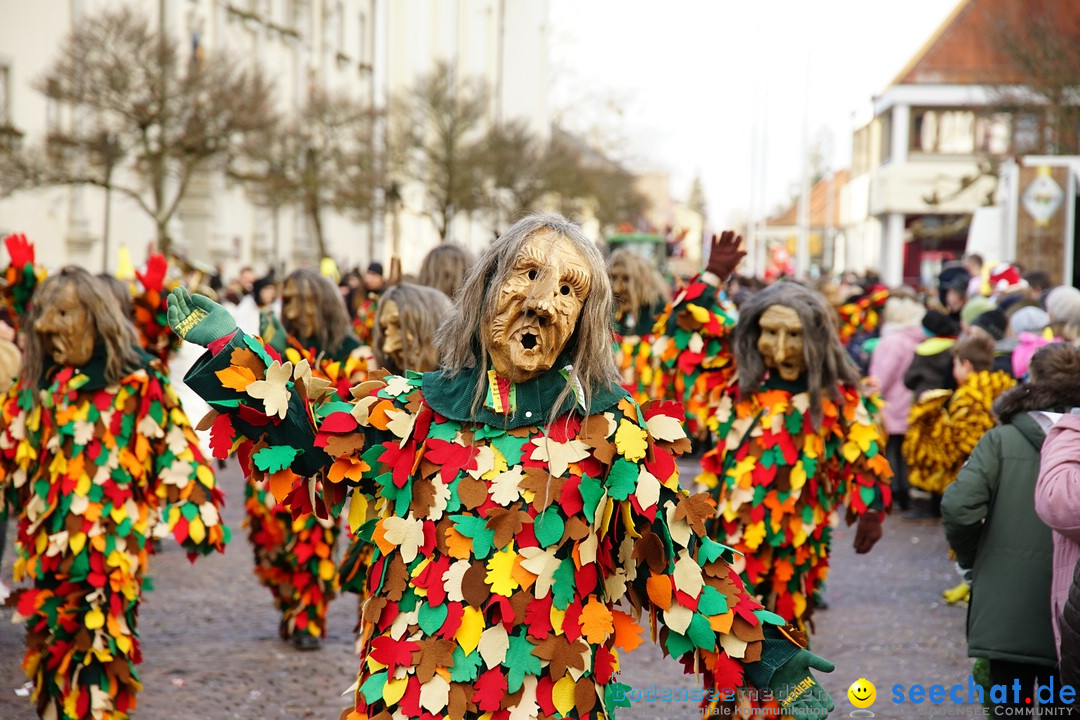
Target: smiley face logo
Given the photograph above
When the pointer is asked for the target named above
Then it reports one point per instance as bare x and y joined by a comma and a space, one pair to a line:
862, 693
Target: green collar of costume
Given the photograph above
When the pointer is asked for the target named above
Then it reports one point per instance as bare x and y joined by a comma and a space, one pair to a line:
774, 382
510, 405
93, 371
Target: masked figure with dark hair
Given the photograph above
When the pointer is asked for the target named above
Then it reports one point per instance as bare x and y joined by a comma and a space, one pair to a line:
530, 511
796, 437
294, 553
640, 294
97, 456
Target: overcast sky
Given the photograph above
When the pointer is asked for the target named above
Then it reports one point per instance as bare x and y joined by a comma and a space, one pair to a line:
681, 84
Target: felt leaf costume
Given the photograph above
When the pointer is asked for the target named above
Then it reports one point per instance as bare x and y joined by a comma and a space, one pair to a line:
93, 470
777, 477
945, 426
151, 309
634, 357
692, 346
294, 552
513, 559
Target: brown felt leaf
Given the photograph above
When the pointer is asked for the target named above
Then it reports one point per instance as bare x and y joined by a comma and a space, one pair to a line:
440, 535
584, 696
520, 601
473, 493
207, 421
678, 447
649, 550
243, 357
576, 528
696, 509
459, 700
345, 445
428, 469
366, 388
83, 640
433, 653
745, 631
396, 578
560, 654
506, 522
753, 653
546, 488
521, 432
686, 320
423, 498
474, 587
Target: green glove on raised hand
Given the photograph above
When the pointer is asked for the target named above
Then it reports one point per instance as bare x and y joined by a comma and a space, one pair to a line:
798, 692
197, 318
272, 331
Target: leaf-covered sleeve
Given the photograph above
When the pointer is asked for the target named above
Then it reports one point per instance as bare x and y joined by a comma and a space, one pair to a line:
151, 310
693, 346
865, 473
676, 574
187, 493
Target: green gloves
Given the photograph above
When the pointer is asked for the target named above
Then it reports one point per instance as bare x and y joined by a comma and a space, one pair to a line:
197, 318
272, 331
798, 692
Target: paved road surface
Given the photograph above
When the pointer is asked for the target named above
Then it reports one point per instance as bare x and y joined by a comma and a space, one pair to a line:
211, 650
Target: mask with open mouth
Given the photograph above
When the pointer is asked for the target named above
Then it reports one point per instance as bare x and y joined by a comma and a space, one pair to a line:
538, 307
781, 342
65, 328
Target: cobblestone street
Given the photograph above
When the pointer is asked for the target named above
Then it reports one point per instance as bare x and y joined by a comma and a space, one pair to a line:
211, 650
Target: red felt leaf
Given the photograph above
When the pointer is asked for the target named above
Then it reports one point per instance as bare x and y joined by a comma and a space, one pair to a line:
393, 653
454, 613
727, 673
538, 617
603, 665
490, 688
400, 460
338, 422
570, 498
451, 456
570, 625
222, 434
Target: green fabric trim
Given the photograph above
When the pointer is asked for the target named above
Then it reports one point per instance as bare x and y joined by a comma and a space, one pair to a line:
452, 397
775, 382
775, 651
95, 369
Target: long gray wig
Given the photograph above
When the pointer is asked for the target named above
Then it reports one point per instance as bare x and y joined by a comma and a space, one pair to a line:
420, 310
108, 325
827, 364
462, 338
333, 317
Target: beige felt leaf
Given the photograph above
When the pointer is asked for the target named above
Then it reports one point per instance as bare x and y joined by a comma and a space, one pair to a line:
615, 584
688, 575
494, 643
434, 694
176, 440
440, 501
679, 529
696, 344
666, 428
648, 489
733, 646
272, 391
678, 618
79, 504
177, 474
406, 533
452, 580
209, 514
504, 488
401, 423
587, 549
315, 387
84, 432
396, 385
485, 461
527, 707
362, 407
542, 564
559, 455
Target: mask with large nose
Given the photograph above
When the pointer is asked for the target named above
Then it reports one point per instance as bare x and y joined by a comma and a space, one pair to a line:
781, 342
65, 328
298, 310
537, 307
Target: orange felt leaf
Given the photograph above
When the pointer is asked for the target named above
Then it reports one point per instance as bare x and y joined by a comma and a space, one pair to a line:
627, 631
236, 377
783, 569
378, 536
523, 577
722, 623
377, 416
459, 546
142, 447
347, 467
596, 621
281, 483
659, 588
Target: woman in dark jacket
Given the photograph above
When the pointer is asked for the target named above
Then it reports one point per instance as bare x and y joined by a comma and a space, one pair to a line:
990, 522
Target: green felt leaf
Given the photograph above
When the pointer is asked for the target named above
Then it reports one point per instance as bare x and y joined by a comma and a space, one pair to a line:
616, 694
700, 633
444, 431
372, 688
224, 403
124, 528
867, 494
873, 450
622, 479
563, 589
591, 492
274, 458
768, 457
520, 661
548, 527
466, 668
510, 447
678, 645
189, 510
257, 347
768, 617
712, 601
430, 619
473, 527
408, 601
708, 551
794, 422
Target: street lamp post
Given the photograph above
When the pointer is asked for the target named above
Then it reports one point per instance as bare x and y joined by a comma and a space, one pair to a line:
393, 199
108, 149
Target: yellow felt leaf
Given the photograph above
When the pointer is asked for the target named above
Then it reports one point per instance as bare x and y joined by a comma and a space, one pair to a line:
699, 313
851, 451
236, 377
562, 695
863, 436
500, 572
95, 619
394, 690
630, 441
76, 542
196, 530
753, 535
358, 509
797, 478
472, 626
596, 622
326, 569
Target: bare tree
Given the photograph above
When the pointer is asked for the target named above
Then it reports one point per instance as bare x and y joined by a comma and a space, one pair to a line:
140, 103
697, 201
322, 159
436, 132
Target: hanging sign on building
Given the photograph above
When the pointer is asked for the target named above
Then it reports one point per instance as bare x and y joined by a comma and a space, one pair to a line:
1043, 197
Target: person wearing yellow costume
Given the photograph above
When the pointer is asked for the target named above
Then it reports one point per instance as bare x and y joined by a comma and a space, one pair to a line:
531, 513
797, 438
97, 457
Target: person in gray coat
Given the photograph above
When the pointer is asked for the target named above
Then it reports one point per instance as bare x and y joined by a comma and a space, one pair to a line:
991, 525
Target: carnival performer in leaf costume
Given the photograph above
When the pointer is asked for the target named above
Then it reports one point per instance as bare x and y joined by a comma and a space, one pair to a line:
95, 449
530, 512
640, 294
797, 438
294, 553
